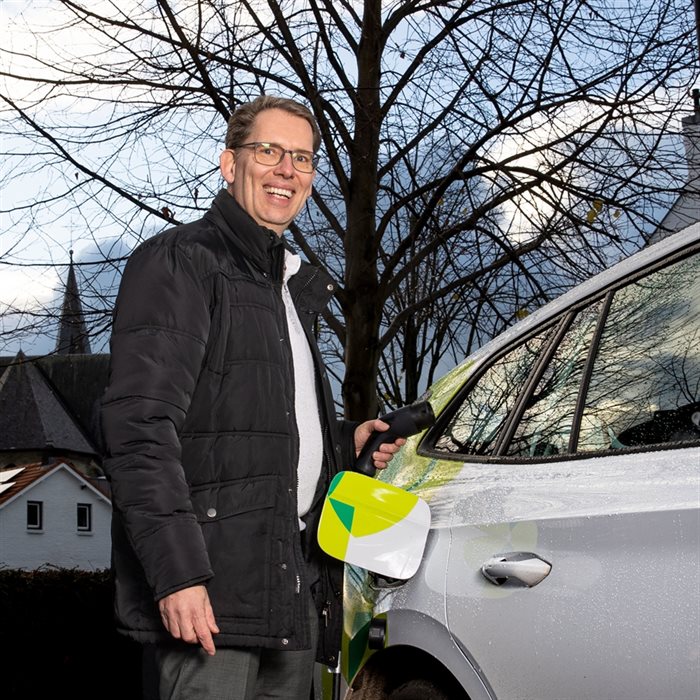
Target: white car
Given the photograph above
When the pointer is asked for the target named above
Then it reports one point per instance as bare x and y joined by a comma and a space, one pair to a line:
563, 479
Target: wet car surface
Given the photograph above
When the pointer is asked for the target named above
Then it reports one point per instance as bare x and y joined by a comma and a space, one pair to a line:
563, 479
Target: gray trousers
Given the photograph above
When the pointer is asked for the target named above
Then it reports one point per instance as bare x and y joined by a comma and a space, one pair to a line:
185, 672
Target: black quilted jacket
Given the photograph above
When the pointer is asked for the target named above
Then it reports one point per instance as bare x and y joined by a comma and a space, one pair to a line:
201, 438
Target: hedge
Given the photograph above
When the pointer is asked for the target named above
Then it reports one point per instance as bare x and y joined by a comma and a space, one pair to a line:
57, 636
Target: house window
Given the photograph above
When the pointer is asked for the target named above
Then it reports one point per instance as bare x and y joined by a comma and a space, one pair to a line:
84, 513
35, 515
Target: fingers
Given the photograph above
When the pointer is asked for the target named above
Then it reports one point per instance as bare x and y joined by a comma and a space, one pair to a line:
187, 614
203, 634
385, 453
209, 628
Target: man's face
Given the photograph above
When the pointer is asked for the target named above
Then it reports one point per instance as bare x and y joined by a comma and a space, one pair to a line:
271, 194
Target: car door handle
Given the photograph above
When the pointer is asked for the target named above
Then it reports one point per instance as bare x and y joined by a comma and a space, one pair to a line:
518, 569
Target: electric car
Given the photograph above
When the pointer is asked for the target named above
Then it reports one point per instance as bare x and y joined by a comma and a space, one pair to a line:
563, 479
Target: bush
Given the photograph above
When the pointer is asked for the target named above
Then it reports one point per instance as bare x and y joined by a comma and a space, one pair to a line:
58, 636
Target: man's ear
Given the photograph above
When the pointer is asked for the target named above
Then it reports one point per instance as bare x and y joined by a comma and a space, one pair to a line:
227, 165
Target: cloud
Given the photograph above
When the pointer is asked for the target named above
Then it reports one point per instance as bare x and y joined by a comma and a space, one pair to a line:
31, 299
534, 147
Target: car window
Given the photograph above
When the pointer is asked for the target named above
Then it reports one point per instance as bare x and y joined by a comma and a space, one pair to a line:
545, 426
643, 387
478, 422
645, 384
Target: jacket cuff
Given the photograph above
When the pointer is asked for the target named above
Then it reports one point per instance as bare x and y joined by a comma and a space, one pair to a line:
347, 442
174, 557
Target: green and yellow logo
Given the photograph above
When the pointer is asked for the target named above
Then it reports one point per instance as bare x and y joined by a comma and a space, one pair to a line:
374, 525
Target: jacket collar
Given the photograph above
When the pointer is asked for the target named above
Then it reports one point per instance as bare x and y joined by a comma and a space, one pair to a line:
261, 245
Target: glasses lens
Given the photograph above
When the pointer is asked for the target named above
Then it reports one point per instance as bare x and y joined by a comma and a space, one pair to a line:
268, 154
303, 161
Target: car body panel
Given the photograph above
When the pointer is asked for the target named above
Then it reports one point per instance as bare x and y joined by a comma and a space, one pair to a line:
619, 595
618, 615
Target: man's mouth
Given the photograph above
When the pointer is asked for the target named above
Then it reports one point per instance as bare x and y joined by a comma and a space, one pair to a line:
287, 194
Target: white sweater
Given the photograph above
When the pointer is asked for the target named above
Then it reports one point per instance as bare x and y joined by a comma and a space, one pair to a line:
305, 401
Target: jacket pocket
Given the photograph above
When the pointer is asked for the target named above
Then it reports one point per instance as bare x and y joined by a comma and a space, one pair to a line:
237, 520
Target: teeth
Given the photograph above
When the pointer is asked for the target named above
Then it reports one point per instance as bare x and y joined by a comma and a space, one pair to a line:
279, 191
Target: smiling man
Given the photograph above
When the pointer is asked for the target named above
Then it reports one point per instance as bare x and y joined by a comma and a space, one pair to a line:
221, 433
271, 195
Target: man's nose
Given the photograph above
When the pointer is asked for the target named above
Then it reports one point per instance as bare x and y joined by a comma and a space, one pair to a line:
285, 167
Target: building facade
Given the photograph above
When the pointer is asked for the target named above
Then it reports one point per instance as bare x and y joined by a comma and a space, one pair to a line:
52, 515
54, 501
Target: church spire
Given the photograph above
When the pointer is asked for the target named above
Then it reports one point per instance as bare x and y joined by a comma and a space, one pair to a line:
72, 334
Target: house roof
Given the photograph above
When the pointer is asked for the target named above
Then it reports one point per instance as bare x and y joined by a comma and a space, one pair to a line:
52, 402
81, 381
18, 479
33, 415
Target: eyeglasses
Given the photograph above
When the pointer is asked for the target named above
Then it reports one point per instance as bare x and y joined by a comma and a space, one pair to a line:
272, 154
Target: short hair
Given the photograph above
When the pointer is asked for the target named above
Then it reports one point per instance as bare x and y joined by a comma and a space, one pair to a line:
240, 123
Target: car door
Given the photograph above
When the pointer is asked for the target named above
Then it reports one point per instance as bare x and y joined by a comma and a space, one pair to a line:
578, 496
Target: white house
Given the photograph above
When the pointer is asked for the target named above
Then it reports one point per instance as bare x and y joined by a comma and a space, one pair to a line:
686, 209
53, 515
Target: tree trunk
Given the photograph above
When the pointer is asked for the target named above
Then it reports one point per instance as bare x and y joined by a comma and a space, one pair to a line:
363, 312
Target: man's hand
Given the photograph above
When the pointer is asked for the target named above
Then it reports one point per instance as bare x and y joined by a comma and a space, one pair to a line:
386, 451
187, 614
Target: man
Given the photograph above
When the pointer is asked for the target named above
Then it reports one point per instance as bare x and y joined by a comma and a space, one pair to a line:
221, 433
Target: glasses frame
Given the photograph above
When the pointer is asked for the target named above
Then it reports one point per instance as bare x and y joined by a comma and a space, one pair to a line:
254, 145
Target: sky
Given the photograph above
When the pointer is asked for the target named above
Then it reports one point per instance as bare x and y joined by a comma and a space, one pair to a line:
32, 285
36, 278
35, 284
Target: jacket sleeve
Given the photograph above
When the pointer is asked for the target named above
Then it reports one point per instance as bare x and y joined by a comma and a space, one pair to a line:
161, 325
346, 430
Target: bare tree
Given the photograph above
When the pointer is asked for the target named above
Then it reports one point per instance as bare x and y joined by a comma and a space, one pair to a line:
478, 157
